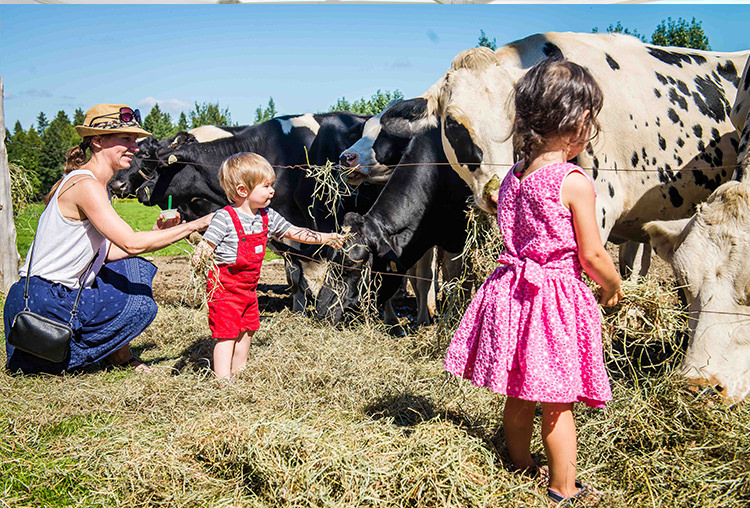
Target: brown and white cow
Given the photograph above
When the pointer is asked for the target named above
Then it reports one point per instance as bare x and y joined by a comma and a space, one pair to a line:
665, 109
710, 255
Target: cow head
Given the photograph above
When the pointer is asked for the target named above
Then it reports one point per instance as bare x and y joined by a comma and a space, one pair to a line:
710, 253
373, 157
350, 268
126, 181
472, 99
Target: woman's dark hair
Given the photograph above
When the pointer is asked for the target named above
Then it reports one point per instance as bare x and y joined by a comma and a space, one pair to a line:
74, 159
550, 100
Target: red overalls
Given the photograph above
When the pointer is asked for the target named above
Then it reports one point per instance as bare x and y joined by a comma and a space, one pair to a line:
233, 303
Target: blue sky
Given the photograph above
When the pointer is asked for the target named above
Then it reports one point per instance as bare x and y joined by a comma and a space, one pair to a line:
61, 57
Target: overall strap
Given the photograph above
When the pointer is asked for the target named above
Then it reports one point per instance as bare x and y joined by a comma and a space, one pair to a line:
235, 220
264, 216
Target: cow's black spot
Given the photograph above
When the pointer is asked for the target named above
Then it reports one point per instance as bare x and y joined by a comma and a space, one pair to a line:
611, 190
653, 161
701, 146
680, 142
715, 134
678, 99
631, 116
596, 162
634, 159
669, 57
661, 79
718, 157
658, 121
552, 51
645, 156
735, 144
678, 159
657, 93
699, 59
612, 63
746, 84
675, 198
595, 173
710, 99
698, 130
672, 114
466, 151
702, 179
729, 72
662, 142
604, 218
682, 87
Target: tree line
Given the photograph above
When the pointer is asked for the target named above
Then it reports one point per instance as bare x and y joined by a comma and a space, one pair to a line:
37, 154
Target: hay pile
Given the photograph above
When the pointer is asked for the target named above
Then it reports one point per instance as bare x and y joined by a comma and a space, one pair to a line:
353, 416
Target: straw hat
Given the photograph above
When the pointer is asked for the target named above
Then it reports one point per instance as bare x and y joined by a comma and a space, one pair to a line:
106, 120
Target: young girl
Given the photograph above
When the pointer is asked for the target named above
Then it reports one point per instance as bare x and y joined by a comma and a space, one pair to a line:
533, 331
237, 236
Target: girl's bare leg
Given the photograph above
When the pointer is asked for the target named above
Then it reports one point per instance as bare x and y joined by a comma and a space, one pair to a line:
518, 424
560, 444
241, 350
223, 352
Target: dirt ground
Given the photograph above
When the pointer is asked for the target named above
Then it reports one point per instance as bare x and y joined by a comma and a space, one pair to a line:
173, 284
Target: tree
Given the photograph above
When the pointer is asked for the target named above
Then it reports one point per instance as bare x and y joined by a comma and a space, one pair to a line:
79, 117
209, 114
680, 33
57, 138
261, 115
670, 33
484, 41
41, 123
23, 153
619, 29
182, 123
158, 123
371, 106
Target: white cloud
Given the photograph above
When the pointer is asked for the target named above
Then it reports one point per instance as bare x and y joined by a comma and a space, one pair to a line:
171, 106
402, 63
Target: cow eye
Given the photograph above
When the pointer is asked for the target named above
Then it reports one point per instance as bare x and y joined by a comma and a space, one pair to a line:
466, 151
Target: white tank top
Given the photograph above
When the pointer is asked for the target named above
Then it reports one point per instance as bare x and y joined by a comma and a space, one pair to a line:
64, 248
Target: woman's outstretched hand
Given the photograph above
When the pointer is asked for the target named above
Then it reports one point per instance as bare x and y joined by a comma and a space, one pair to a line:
162, 223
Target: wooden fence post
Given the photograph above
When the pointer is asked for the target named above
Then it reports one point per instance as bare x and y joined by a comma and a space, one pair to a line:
8, 251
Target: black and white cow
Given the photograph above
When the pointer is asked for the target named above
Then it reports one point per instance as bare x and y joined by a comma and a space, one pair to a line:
144, 164
422, 205
710, 255
665, 110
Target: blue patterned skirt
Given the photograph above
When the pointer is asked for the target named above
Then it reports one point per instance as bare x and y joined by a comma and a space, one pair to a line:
114, 311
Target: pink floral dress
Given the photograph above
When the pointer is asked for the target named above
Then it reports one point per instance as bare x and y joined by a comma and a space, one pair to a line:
533, 330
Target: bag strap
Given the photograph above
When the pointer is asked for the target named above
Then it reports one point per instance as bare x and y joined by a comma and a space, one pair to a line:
73, 312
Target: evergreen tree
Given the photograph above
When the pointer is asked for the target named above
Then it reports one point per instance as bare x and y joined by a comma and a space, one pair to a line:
182, 124
261, 115
41, 123
158, 123
371, 106
78, 117
484, 41
680, 33
57, 138
23, 151
209, 114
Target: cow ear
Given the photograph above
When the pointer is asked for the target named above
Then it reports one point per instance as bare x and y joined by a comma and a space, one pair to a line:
407, 118
666, 236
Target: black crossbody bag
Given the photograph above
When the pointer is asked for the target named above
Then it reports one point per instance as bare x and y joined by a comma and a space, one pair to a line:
39, 335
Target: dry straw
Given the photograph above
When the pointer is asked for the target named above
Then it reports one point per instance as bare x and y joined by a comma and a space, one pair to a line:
353, 416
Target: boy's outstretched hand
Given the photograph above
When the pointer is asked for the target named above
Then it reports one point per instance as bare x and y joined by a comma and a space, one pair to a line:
335, 240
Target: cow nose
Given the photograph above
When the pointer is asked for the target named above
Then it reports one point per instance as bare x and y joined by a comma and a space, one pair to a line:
118, 187
349, 159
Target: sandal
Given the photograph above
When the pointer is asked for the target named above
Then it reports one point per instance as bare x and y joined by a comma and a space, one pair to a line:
557, 498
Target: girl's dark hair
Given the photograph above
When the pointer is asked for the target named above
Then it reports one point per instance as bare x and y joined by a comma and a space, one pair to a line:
74, 159
550, 100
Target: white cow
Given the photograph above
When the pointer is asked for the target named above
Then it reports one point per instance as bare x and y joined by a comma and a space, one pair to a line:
665, 110
710, 255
